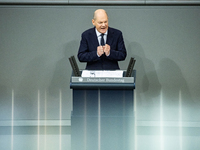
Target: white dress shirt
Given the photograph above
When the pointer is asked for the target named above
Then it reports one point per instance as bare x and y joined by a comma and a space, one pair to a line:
99, 36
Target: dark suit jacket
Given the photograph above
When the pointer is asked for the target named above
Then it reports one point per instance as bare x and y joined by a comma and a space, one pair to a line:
88, 50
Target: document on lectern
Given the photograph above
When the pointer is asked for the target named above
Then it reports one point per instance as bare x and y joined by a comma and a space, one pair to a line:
94, 73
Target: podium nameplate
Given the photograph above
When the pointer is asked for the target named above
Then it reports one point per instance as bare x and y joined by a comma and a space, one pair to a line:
102, 80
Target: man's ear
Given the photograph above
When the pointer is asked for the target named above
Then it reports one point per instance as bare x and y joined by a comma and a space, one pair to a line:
93, 22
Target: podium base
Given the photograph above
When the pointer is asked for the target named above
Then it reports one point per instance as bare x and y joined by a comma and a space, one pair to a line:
102, 133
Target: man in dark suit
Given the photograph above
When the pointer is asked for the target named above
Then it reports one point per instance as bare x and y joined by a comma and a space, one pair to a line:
102, 46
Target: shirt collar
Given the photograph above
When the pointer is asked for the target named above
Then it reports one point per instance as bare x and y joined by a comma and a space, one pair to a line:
98, 33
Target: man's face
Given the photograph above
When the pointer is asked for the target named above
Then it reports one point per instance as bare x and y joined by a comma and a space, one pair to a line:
101, 22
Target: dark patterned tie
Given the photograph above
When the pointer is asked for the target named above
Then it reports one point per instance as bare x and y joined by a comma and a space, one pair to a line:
102, 40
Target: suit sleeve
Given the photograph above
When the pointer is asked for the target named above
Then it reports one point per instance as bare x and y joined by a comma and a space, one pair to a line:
119, 52
85, 53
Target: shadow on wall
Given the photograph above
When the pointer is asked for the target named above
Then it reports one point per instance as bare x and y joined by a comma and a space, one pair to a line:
61, 79
166, 85
175, 92
147, 84
34, 78
63, 70
41, 82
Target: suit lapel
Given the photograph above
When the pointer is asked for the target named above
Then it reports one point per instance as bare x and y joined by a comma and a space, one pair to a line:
94, 39
109, 37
